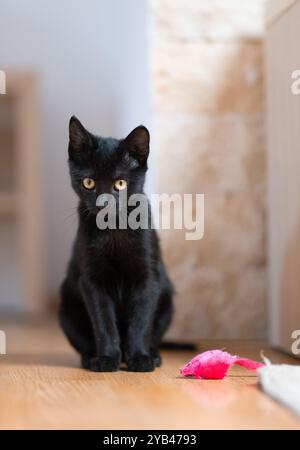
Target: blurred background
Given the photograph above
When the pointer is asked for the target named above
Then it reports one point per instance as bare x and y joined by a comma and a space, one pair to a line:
211, 80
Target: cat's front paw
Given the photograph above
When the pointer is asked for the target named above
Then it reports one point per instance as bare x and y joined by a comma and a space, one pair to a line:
140, 363
101, 364
156, 358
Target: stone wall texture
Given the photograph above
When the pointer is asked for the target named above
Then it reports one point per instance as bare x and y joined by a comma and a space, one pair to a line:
208, 101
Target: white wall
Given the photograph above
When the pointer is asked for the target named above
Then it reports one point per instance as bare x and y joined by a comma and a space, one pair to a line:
92, 60
283, 136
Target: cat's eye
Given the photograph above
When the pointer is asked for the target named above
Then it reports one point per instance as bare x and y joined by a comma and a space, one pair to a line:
89, 183
119, 185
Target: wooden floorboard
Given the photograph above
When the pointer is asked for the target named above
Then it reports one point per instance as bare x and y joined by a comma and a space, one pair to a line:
43, 387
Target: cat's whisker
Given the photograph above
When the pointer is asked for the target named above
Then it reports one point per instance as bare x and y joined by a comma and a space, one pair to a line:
73, 208
74, 214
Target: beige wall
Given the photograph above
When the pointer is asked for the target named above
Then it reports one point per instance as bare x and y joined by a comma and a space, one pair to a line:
208, 120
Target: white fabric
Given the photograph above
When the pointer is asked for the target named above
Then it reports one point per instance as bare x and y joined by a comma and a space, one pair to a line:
282, 382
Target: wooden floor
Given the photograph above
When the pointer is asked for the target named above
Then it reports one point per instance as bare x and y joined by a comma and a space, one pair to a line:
42, 386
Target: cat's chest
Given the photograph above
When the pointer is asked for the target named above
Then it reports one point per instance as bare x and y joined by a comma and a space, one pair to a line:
115, 253
120, 277
117, 262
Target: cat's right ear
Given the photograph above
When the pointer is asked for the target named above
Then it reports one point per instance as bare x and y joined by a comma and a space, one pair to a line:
79, 139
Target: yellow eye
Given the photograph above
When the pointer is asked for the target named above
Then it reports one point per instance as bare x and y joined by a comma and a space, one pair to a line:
89, 183
120, 185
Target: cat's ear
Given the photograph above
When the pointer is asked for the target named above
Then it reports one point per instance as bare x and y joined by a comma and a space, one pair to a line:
79, 138
137, 144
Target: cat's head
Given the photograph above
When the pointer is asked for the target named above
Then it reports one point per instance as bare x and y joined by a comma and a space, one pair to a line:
105, 165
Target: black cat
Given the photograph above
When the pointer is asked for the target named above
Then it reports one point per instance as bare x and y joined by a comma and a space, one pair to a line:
116, 299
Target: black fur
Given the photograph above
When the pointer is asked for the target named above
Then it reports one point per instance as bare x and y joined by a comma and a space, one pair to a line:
116, 299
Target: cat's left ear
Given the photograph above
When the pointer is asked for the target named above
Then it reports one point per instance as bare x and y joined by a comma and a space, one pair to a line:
137, 144
79, 139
